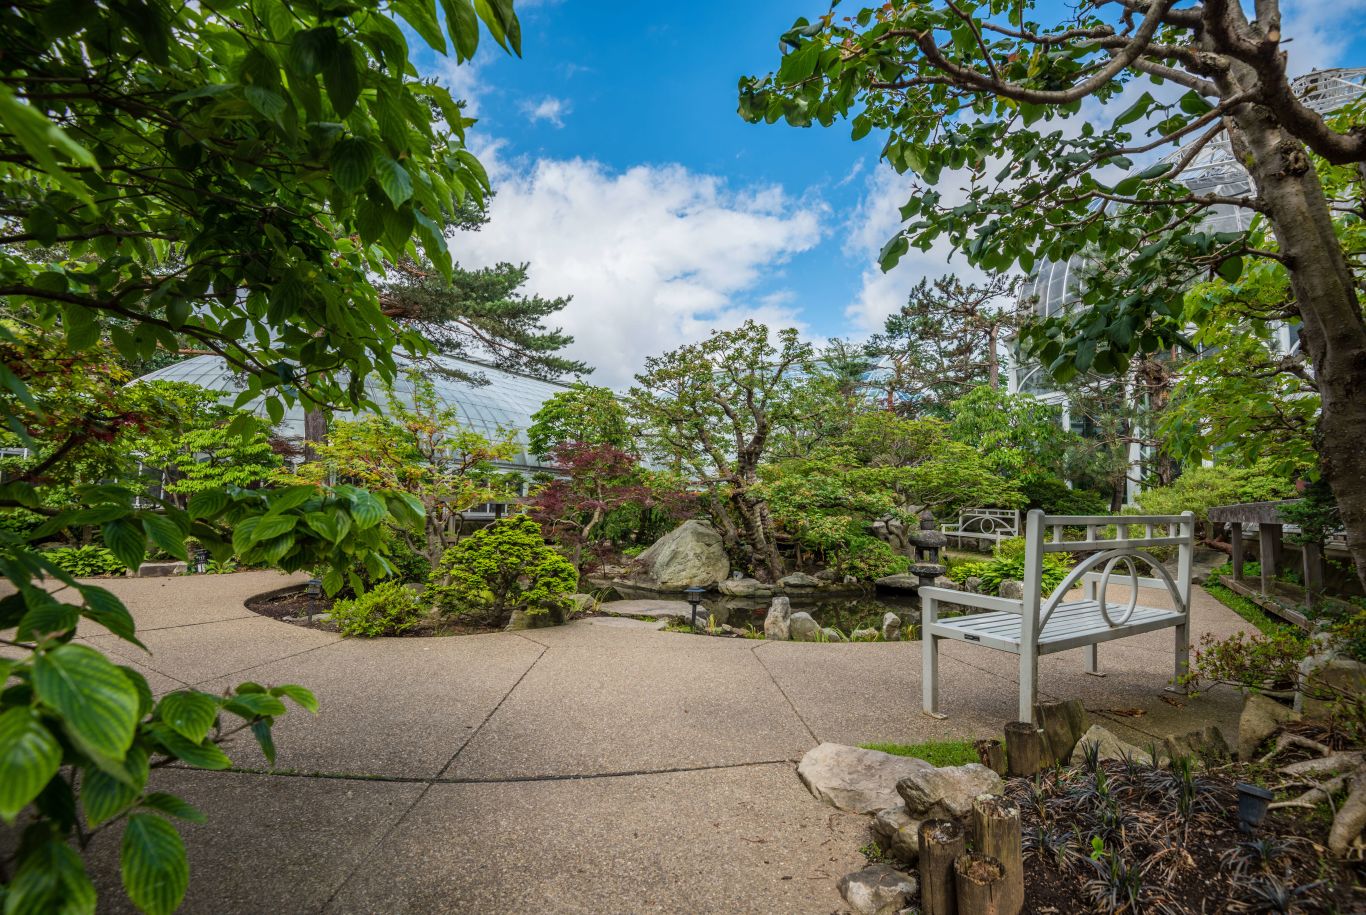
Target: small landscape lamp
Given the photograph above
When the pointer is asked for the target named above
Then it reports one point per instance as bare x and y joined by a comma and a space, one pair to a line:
314, 588
1252, 806
201, 560
694, 595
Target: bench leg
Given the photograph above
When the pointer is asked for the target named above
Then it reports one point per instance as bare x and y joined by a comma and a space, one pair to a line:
1029, 682
1182, 658
929, 676
1093, 660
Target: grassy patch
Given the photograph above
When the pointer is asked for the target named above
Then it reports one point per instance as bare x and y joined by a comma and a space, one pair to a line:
934, 752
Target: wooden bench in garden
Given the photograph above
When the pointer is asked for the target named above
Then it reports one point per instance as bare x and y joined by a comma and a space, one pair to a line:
1036, 625
985, 524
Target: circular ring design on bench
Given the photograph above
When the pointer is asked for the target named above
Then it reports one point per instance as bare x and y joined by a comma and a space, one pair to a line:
1133, 589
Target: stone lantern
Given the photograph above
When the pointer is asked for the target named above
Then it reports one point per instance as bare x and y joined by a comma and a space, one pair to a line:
927, 542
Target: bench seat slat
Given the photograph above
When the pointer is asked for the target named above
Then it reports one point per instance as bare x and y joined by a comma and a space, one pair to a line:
1071, 625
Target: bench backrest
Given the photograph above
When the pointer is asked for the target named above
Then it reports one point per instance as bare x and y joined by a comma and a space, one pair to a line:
1003, 522
1111, 541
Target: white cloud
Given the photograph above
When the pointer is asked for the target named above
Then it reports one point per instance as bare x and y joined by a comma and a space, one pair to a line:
550, 109
654, 256
1317, 32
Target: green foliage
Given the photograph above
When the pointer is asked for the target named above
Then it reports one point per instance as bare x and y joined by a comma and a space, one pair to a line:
1054, 496
1262, 661
584, 414
85, 561
501, 569
1016, 434
421, 452
1008, 562
209, 176
389, 608
868, 558
937, 753
1201, 488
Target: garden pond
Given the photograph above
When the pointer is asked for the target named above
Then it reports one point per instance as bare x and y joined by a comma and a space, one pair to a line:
842, 609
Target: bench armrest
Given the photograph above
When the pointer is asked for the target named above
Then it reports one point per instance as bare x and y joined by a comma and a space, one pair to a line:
968, 599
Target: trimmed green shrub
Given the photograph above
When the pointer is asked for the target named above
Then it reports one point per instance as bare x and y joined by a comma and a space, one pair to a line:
1009, 562
1052, 494
869, 558
389, 608
502, 569
85, 561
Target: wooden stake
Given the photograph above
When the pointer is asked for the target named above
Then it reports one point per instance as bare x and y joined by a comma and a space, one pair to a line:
941, 842
992, 753
1063, 724
996, 832
1024, 749
980, 883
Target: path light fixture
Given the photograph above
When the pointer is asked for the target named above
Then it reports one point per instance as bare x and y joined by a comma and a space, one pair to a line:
314, 588
201, 560
1252, 806
694, 595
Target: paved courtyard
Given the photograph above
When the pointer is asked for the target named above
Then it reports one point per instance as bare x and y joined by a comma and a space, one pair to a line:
600, 767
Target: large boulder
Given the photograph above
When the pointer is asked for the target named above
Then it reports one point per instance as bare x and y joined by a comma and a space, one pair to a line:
854, 779
1262, 716
1326, 676
1111, 747
778, 622
947, 793
878, 890
803, 628
799, 581
691, 555
745, 587
898, 833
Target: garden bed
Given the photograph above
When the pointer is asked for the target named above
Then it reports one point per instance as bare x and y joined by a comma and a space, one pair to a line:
294, 605
1125, 836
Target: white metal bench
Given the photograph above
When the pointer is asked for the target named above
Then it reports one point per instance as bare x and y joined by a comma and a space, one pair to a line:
989, 524
1036, 625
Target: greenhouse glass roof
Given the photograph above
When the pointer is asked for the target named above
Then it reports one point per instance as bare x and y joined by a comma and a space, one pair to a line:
503, 405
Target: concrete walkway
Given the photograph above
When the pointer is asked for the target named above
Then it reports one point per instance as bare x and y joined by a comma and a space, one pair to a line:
600, 767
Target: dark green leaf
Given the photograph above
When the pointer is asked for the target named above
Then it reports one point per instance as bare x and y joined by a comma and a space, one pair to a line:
173, 806
188, 713
126, 540
97, 703
155, 872
29, 757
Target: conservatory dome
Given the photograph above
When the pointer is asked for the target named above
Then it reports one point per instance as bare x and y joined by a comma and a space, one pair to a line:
1214, 170
505, 404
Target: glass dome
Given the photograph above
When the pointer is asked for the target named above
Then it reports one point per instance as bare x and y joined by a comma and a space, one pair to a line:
1214, 170
503, 405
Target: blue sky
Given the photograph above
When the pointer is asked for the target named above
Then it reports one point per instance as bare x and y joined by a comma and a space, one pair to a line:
626, 179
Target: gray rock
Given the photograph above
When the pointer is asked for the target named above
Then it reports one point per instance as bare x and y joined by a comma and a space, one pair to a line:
161, 569
520, 619
864, 635
899, 582
850, 580
777, 625
799, 581
691, 555
1111, 747
891, 627
582, 603
1326, 676
1011, 589
803, 628
947, 792
973, 584
877, 890
1261, 717
1207, 745
928, 539
745, 587
854, 779
898, 833
833, 635
827, 575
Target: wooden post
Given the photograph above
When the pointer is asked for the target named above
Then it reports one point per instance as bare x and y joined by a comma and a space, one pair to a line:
941, 842
1312, 554
1269, 551
981, 886
1063, 724
1025, 754
315, 431
996, 832
1235, 539
992, 753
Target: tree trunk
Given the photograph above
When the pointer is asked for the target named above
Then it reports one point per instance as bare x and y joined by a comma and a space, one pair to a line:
1333, 331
